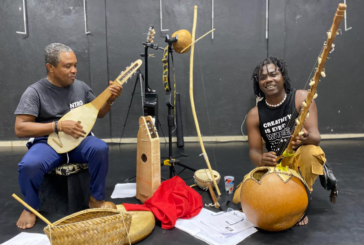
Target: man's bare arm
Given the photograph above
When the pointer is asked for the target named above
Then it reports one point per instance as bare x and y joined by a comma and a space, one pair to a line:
255, 141
25, 126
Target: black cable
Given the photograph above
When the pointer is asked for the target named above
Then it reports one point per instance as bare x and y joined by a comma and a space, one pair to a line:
131, 101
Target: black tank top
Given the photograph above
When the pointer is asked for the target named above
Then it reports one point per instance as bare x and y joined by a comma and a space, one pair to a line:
277, 124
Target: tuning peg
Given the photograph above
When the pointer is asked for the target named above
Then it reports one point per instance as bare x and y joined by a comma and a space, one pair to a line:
332, 49
297, 122
304, 104
329, 34
312, 82
300, 133
323, 74
308, 115
319, 60
315, 96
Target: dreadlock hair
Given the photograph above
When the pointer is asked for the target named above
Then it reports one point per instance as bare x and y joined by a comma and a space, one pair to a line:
282, 66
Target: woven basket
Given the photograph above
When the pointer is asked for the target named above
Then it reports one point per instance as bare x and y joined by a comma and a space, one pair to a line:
92, 226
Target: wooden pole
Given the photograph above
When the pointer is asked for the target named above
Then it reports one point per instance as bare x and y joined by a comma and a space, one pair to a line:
33, 210
193, 102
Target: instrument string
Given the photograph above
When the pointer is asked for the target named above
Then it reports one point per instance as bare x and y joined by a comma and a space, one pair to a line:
292, 121
207, 108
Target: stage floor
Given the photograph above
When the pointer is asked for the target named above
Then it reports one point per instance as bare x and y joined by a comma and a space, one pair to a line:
340, 223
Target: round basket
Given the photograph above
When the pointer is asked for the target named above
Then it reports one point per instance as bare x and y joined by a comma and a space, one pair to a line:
203, 178
92, 226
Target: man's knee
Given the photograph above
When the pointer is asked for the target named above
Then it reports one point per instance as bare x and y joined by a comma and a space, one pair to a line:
310, 160
310, 154
100, 147
30, 168
309, 150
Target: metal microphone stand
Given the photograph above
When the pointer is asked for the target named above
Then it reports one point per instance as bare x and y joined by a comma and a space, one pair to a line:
172, 161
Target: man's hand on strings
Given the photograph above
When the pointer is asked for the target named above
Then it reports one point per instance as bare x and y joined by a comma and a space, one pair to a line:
269, 159
116, 90
75, 129
300, 139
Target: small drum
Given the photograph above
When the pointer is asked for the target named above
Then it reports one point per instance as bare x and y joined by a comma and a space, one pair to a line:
274, 199
203, 177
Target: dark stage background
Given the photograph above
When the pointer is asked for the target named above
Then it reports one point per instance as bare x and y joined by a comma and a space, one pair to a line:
223, 66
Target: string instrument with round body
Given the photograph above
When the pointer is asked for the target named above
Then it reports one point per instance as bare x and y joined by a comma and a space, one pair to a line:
86, 115
320, 71
150, 102
192, 100
272, 199
275, 198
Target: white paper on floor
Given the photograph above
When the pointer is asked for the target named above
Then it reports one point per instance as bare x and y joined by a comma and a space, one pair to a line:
124, 190
26, 238
200, 227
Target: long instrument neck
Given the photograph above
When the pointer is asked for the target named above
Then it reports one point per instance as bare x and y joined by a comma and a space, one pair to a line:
100, 100
328, 46
147, 89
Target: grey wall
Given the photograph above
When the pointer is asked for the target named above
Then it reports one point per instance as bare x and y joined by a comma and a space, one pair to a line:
222, 67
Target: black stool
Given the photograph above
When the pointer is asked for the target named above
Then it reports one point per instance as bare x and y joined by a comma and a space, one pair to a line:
66, 189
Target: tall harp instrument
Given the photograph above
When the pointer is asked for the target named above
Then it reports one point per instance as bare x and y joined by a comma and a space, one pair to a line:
276, 198
87, 114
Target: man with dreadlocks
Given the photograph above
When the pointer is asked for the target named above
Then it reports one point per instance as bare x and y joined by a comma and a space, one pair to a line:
40, 107
273, 119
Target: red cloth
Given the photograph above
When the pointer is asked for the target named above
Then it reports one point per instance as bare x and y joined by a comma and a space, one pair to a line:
172, 200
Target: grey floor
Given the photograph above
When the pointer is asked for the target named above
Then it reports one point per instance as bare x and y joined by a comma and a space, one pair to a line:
340, 223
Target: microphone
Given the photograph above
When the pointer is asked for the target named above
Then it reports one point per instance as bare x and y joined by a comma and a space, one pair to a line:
171, 40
